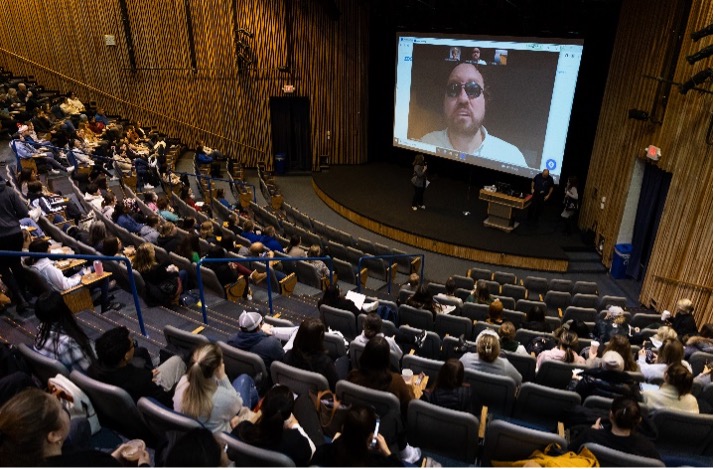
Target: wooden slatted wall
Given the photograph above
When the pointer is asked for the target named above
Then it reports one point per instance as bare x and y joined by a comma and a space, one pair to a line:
681, 262
61, 44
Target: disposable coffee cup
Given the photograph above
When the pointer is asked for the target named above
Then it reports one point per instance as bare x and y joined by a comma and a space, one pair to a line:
98, 268
407, 375
133, 449
594, 346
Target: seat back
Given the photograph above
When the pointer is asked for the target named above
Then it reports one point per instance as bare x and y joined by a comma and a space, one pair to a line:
443, 431
525, 336
308, 274
580, 313
386, 405
608, 457
524, 363
298, 380
556, 300
160, 419
246, 455
536, 287
43, 367
452, 325
513, 291
415, 317
683, 433
544, 406
418, 364
345, 271
641, 320
526, 305
510, 442
507, 302
495, 391
335, 345
555, 374
494, 287
479, 273
210, 280
239, 362
434, 288
698, 360
504, 277
475, 312
585, 300
355, 352
608, 300
463, 282
432, 346
114, 406
562, 285
597, 402
517, 318
585, 287
340, 320
183, 341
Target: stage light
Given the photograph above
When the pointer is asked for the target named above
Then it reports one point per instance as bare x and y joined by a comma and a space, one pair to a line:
700, 55
696, 79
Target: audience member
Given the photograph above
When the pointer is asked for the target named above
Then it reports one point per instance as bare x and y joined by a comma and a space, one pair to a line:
684, 322
608, 381
450, 287
674, 393
164, 281
333, 297
450, 391
250, 337
507, 339
480, 294
309, 353
670, 352
487, 359
494, 316
197, 448
619, 344
565, 350
423, 300
536, 320
293, 249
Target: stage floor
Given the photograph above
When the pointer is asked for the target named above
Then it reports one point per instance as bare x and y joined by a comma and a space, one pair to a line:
378, 196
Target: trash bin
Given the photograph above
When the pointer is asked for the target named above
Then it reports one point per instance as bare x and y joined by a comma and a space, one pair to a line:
279, 163
621, 256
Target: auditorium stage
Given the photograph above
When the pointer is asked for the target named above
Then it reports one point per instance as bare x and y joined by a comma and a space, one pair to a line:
378, 197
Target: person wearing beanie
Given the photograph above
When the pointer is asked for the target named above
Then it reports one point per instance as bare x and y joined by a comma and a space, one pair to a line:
609, 380
250, 337
613, 323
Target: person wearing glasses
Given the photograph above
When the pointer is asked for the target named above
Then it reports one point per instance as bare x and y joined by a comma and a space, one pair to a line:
464, 109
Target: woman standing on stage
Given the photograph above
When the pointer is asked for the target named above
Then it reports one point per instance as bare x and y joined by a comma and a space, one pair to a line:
570, 205
419, 181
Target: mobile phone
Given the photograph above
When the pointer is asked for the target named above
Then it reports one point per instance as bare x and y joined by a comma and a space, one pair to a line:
373, 443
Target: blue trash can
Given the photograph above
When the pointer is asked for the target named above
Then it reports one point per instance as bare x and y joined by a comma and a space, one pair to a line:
279, 163
621, 256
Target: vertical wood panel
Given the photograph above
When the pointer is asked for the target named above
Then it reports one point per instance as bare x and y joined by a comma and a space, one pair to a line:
228, 109
682, 258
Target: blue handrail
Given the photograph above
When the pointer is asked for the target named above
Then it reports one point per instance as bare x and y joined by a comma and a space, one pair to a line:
389, 267
123, 259
232, 182
327, 259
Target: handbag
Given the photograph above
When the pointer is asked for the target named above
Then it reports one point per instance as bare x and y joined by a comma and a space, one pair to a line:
570, 203
331, 411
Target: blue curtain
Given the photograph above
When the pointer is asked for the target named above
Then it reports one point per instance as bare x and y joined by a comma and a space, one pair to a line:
654, 191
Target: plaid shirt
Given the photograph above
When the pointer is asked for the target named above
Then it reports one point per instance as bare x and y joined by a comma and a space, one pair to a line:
66, 350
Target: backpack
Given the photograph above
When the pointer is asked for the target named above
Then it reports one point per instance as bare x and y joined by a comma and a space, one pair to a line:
539, 344
74, 400
387, 313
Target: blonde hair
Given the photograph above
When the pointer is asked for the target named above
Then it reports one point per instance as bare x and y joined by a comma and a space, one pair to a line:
488, 347
314, 250
145, 258
206, 229
666, 332
684, 306
197, 401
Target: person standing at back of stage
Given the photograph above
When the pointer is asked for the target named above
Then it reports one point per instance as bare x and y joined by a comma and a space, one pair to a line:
419, 181
570, 205
541, 188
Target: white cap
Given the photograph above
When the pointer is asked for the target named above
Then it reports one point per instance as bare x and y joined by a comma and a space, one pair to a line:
249, 321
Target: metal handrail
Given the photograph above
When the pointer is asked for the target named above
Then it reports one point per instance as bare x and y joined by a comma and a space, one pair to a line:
389, 267
327, 259
123, 259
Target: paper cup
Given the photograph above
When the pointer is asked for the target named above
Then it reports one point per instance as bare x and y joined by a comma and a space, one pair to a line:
133, 449
407, 375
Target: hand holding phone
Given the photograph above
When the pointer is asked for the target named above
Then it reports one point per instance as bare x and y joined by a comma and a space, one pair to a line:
373, 443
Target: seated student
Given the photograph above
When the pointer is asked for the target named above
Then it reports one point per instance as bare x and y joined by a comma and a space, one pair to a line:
487, 359
507, 339
608, 381
205, 393
58, 281
150, 199
124, 217
150, 231
108, 204
164, 281
25, 151
269, 239
190, 248
115, 352
496, 308
670, 352
278, 429
165, 210
684, 322
314, 252
206, 232
187, 195
480, 294
536, 320
333, 297
372, 326
613, 323
565, 350
249, 232
169, 237
674, 393
294, 249
423, 300
309, 353
251, 337
450, 286
221, 197
619, 344
34, 426
620, 431
450, 391
702, 342
352, 447
196, 448
59, 336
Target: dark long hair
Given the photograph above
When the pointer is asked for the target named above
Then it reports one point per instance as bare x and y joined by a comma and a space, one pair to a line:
56, 319
351, 447
375, 363
268, 431
309, 338
451, 375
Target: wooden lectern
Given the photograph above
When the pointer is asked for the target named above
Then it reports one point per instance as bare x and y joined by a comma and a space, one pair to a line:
500, 211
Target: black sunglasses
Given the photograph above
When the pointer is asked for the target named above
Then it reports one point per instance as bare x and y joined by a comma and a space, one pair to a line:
472, 89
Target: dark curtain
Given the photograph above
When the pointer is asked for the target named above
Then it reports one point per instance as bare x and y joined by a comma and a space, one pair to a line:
654, 191
290, 128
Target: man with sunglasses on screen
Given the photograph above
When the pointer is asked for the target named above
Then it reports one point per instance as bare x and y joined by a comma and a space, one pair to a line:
464, 108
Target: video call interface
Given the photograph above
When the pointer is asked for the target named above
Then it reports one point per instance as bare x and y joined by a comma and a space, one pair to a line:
497, 103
